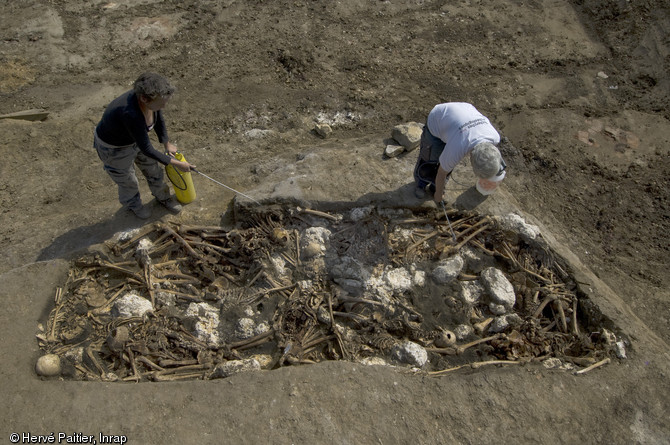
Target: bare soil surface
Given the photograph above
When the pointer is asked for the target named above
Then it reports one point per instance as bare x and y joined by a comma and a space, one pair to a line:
579, 91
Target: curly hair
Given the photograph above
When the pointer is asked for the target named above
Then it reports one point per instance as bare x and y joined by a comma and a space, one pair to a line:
152, 86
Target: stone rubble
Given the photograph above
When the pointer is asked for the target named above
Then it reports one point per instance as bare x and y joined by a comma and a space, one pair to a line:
408, 135
448, 270
410, 353
498, 287
232, 367
206, 327
131, 305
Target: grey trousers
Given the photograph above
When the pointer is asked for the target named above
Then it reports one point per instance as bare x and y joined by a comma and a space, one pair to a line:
118, 163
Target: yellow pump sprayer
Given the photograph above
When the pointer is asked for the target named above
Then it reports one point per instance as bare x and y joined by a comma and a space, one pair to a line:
181, 181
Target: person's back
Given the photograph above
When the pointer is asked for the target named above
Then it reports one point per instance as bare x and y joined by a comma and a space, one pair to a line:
453, 130
460, 126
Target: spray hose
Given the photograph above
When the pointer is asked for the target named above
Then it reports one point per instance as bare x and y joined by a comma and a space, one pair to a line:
224, 185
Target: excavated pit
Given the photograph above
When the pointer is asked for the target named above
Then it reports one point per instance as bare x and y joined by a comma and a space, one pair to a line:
283, 285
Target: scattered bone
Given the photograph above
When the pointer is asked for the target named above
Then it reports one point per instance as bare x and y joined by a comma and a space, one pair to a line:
593, 366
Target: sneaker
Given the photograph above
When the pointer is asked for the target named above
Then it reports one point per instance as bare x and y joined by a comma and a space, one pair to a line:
142, 212
420, 193
172, 205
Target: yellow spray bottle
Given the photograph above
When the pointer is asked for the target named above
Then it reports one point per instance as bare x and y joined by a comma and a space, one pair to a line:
181, 181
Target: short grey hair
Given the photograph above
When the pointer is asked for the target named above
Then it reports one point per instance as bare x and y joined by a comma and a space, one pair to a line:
486, 160
153, 86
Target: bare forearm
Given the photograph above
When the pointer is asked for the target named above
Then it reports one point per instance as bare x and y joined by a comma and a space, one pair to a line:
440, 180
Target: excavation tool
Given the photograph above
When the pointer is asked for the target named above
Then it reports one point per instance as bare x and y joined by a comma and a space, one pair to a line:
224, 185
453, 235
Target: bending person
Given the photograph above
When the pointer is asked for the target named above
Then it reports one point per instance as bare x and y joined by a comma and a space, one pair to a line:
122, 139
452, 131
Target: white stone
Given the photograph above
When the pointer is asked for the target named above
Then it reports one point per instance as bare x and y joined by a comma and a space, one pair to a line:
125, 235
358, 213
620, 349
144, 244
463, 331
305, 284
393, 150
231, 367
471, 292
131, 305
517, 224
552, 363
499, 324
497, 309
278, 264
502, 322
245, 328
314, 242
264, 360
320, 235
373, 361
475, 260
207, 323
498, 287
261, 328
166, 298
410, 353
257, 133
448, 270
408, 135
248, 311
419, 278
75, 355
323, 130
398, 279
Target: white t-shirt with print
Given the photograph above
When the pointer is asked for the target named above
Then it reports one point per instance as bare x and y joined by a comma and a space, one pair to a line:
460, 126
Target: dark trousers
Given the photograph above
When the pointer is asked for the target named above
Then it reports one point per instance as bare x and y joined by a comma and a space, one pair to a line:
428, 161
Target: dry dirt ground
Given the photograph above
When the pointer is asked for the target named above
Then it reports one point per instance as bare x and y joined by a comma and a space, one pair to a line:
579, 88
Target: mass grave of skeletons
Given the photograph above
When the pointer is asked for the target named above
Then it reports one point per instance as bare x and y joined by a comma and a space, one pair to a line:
283, 285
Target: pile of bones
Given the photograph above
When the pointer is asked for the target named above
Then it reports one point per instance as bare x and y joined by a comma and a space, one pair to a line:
285, 285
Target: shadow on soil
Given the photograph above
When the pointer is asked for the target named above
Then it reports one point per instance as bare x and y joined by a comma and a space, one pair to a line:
73, 242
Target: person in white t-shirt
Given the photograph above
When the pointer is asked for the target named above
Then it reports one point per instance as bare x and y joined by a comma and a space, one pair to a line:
452, 131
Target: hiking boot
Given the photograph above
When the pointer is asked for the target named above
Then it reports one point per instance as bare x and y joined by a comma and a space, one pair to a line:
419, 192
142, 212
171, 204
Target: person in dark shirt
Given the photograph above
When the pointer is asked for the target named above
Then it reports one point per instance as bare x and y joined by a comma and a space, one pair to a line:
122, 139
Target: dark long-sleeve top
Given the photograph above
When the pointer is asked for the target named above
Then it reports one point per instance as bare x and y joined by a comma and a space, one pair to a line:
123, 124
